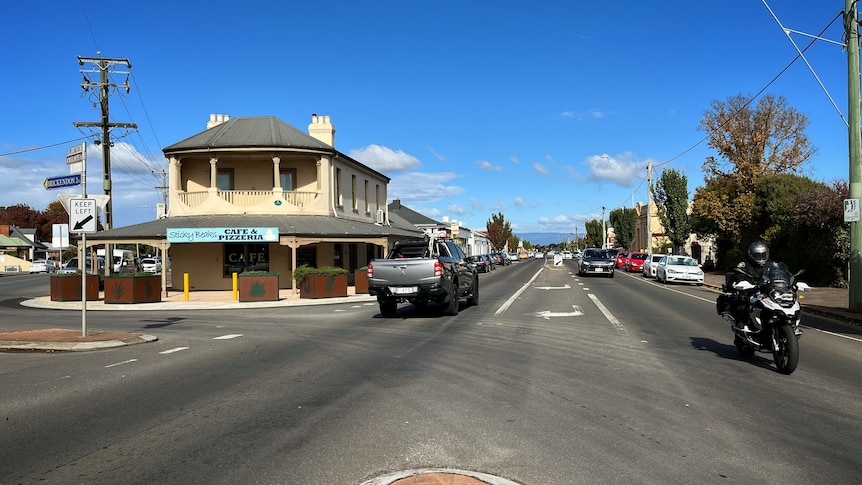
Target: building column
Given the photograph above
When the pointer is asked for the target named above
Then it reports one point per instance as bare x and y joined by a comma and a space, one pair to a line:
175, 180
276, 169
213, 174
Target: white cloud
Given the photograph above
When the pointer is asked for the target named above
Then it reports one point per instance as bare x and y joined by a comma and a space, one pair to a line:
624, 170
514, 159
519, 202
419, 187
486, 165
438, 156
385, 159
540, 168
456, 209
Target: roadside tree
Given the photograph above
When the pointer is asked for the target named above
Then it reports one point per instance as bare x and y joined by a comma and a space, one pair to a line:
671, 198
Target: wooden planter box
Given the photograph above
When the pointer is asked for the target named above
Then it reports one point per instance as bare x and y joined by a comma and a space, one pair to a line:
360, 281
133, 289
323, 286
68, 288
258, 287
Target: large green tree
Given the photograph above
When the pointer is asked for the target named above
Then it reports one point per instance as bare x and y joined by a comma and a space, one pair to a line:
594, 236
624, 221
752, 140
671, 199
499, 230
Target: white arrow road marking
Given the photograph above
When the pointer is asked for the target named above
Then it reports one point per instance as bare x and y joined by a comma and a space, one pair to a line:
564, 287
546, 314
171, 351
228, 337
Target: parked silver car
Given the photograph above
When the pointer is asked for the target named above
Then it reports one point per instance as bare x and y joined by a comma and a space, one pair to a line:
151, 265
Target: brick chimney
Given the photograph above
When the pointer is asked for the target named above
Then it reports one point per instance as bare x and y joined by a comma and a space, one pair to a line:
216, 120
321, 129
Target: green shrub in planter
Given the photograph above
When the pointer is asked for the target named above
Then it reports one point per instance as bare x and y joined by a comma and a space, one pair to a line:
322, 282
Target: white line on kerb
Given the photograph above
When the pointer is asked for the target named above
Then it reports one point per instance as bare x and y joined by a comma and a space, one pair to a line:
616, 323
228, 336
171, 351
121, 363
505, 306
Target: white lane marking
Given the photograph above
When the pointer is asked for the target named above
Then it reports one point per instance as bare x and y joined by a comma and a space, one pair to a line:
611, 318
834, 334
564, 287
228, 336
505, 306
121, 363
546, 314
171, 351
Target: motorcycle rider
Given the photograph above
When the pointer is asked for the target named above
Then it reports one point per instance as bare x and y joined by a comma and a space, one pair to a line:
758, 255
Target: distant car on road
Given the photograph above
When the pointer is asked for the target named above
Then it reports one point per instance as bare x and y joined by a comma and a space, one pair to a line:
151, 265
42, 266
650, 264
679, 269
597, 261
635, 262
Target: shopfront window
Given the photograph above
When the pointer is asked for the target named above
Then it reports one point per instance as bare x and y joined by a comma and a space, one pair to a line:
239, 258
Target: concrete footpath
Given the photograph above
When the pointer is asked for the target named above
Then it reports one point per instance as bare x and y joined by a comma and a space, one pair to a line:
829, 302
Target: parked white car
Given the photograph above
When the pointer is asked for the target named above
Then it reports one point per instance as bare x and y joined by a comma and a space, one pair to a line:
42, 266
151, 265
651, 264
679, 269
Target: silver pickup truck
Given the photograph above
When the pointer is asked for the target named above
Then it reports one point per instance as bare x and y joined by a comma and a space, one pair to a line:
423, 271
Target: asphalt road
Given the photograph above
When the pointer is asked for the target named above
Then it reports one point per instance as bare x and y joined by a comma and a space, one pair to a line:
552, 379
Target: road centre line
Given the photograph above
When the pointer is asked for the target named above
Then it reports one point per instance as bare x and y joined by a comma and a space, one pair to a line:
228, 336
171, 351
611, 318
121, 363
507, 303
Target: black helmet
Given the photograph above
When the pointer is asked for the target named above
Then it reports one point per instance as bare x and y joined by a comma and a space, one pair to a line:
758, 253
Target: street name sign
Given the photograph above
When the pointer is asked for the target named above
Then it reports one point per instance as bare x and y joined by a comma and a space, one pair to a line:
83, 214
64, 181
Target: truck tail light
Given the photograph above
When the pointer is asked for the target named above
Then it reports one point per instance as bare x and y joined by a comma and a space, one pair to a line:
370, 273
438, 268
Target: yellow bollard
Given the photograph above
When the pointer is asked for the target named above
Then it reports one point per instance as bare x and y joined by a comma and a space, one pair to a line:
186, 286
235, 297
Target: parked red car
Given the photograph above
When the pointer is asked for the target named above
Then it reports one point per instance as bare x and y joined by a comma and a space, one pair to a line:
635, 261
622, 256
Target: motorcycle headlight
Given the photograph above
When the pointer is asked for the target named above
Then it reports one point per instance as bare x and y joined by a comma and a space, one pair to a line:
783, 298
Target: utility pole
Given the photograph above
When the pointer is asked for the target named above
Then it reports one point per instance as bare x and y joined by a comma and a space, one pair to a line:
649, 207
102, 65
163, 187
855, 138
604, 230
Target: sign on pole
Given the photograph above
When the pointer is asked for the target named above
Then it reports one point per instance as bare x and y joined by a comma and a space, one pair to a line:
83, 215
76, 158
851, 210
64, 181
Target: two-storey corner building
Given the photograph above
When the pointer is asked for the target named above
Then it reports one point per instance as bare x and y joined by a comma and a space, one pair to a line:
255, 193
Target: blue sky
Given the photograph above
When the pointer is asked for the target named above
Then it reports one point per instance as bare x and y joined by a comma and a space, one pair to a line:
544, 111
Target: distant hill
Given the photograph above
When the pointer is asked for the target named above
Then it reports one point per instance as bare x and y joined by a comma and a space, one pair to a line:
543, 238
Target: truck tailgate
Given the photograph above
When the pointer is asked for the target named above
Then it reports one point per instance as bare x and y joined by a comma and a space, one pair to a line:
403, 271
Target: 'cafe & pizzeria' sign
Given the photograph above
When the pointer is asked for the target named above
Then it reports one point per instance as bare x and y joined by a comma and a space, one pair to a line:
222, 234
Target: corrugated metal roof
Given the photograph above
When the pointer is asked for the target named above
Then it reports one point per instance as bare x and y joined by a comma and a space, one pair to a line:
292, 225
250, 132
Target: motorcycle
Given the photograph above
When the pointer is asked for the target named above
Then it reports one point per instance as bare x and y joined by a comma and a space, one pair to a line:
765, 317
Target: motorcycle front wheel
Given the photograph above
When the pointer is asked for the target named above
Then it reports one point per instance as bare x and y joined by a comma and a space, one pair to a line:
787, 355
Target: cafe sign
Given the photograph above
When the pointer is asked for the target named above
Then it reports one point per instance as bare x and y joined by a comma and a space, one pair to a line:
222, 234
